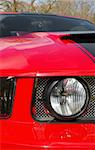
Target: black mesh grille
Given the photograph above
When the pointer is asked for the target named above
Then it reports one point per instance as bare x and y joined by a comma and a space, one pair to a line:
7, 86
40, 112
90, 113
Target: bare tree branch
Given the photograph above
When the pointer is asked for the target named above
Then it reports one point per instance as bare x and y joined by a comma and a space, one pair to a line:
33, 8
50, 6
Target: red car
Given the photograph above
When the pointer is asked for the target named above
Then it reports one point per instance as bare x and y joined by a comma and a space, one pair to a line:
47, 82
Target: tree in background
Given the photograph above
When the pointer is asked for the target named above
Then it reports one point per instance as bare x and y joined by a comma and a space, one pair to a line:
13, 5
8, 5
45, 6
33, 6
78, 8
81, 8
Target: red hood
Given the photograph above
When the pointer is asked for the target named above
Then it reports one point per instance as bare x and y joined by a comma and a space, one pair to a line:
42, 54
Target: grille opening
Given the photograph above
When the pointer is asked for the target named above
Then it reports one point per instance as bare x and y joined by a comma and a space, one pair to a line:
40, 111
7, 86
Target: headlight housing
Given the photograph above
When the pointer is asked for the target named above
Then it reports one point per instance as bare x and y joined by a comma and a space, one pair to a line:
67, 98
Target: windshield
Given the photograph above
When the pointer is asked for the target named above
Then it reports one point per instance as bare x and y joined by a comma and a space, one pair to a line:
21, 23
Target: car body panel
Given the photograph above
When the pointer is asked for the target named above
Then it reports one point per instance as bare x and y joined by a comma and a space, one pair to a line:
19, 56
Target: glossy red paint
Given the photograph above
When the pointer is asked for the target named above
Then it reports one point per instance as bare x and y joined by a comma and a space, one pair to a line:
23, 57
20, 131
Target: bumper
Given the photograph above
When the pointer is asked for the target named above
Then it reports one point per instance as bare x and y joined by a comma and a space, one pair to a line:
36, 136
21, 132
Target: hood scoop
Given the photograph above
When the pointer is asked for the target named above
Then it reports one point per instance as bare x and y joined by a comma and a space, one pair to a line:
83, 39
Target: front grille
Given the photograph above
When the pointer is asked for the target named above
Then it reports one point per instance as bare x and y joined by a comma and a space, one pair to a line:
90, 113
7, 86
40, 111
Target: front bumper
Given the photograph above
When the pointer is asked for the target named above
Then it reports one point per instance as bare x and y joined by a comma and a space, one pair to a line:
21, 131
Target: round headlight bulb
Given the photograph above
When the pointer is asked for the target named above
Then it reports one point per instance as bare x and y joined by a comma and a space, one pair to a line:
67, 98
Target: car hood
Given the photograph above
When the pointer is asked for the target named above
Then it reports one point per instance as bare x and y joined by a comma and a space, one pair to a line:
44, 54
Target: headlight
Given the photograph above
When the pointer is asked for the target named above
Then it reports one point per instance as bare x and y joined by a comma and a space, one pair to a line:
67, 98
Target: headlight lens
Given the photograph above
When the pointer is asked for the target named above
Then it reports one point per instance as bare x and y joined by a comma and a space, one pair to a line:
67, 98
